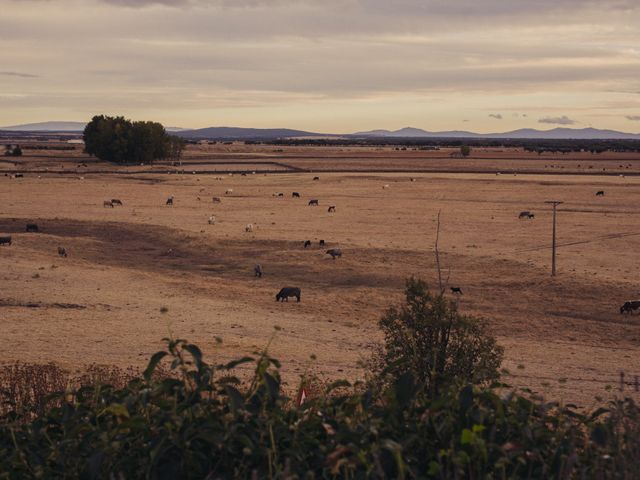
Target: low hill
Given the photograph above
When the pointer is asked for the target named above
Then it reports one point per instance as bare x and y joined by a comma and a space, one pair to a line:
233, 133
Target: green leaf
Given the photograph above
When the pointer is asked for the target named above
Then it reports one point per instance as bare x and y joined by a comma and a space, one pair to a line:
195, 352
237, 401
337, 384
153, 363
466, 437
240, 361
272, 385
434, 468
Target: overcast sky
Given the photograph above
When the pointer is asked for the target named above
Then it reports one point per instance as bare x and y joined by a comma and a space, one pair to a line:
324, 65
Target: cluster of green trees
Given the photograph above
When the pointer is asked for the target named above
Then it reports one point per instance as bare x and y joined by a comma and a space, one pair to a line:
117, 139
13, 151
431, 409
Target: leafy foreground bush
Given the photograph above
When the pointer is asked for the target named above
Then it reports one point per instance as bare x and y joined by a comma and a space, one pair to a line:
203, 423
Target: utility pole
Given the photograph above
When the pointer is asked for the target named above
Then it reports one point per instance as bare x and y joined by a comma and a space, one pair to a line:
555, 203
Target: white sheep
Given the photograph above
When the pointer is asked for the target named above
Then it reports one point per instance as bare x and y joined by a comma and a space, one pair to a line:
212, 220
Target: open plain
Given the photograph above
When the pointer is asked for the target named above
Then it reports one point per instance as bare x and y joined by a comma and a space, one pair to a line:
564, 336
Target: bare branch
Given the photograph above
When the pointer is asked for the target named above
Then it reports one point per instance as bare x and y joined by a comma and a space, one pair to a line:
438, 256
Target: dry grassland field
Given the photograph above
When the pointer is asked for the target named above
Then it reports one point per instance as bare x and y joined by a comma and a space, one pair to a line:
564, 336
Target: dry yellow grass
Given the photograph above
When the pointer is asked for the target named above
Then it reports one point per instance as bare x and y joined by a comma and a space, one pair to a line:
102, 303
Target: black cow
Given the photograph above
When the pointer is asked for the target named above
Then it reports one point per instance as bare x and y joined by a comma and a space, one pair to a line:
313, 202
115, 201
169, 201
332, 208
32, 227
287, 292
600, 193
280, 194
18, 175
307, 243
334, 252
257, 270
295, 195
630, 306
456, 290
322, 243
316, 178
526, 214
107, 203
5, 240
62, 251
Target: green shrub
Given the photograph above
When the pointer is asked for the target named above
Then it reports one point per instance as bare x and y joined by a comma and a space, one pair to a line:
428, 338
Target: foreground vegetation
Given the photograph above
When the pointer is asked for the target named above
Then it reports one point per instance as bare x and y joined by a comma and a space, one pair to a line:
199, 420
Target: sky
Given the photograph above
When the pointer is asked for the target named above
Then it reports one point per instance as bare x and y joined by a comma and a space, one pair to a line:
332, 66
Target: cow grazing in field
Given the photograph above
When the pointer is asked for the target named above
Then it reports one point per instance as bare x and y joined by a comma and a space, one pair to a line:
316, 178
248, 227
257, 270
32, 227
107, 203
287, 292
307, 243
18, 175
5, 240
115, 201
169, 201
212, 220
295, 195
600, 193
526, 214
334, 252
313, 202
216, 200
413, 179
630, 306
280, 194
332, 208
321, 243
385, 186
228, 191
62, 252
457, 290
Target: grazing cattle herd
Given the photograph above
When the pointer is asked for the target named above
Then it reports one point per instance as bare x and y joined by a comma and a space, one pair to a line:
285, 293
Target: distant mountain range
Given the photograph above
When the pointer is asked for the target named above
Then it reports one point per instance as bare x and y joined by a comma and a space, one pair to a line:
555, 133
237, 133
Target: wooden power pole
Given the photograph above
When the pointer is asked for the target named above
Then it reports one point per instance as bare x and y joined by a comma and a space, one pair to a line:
555, 203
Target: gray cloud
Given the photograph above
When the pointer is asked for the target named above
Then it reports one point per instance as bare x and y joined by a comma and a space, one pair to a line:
635, 118
294, 57
563, 120
497, 116
18, 74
